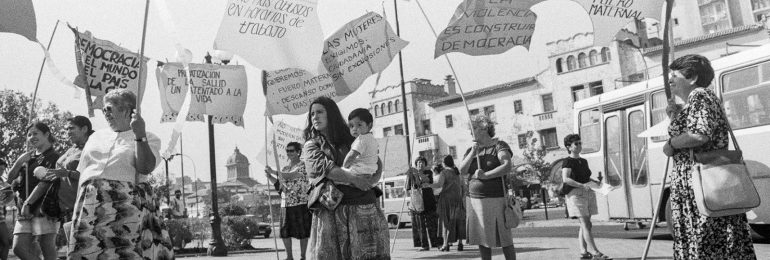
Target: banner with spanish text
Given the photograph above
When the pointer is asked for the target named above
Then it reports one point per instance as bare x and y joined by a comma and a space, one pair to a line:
216, 90
104, 66
487, 27
272, 34
361, 48
290, 91
284, 134
609, 16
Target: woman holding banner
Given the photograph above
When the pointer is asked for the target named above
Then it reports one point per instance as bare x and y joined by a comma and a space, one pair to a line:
486, 201
355, 228
116, 214
699, 126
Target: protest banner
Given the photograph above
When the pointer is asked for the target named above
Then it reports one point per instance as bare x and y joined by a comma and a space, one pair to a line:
284, 134
18, 16
487, 27
104, 66
609, 16
361, 48
272, 34
172, 89
290, 91
215, 90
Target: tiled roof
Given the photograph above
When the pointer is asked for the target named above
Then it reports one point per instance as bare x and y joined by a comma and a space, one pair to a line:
482, 92
246, 182
706, 37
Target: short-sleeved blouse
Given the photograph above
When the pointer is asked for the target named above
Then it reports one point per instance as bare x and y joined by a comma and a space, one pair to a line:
294, 191
703, 115
111, 155
488, 188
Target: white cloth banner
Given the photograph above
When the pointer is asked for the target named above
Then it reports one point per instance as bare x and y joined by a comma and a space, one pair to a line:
290, 91
284, 134
361, 48
216, 90
104, 66
487, 27
272, 34
609, 16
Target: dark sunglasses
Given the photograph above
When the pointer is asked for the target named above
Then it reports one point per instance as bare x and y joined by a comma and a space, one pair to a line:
291, 151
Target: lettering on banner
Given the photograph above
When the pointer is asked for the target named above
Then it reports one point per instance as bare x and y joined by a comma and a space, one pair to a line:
272, 18
290, 91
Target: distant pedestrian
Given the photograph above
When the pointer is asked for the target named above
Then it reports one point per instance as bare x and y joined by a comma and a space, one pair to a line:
581, 200
699, 126
486, 202
448, 187
293, 185
425, 223
177, 206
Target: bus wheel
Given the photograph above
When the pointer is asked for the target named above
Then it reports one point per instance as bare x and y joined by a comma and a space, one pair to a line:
393, 222
669, 221
761, 229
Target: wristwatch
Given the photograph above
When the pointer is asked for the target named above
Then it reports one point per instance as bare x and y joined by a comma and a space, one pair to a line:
141, 140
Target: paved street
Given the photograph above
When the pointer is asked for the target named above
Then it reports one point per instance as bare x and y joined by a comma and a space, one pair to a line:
539, 239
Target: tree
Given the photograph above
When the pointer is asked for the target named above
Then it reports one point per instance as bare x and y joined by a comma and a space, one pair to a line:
537, 166
14, 120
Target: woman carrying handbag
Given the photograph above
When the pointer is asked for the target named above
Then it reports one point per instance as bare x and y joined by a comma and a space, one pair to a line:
699, 126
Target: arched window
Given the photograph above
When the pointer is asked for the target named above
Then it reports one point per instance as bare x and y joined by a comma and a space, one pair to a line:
582, 60
606, 54
558, 65
571, 63
390, 107
398, 105
382, 109
376, 110
593, 57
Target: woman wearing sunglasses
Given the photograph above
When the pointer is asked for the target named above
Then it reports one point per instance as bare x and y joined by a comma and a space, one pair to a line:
292, 183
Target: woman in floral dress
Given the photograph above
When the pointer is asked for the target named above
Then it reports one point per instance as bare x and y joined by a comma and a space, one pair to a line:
699, 126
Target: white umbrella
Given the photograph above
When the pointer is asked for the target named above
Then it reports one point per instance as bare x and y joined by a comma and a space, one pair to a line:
659, 129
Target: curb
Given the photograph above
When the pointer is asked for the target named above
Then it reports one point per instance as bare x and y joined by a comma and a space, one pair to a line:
229, 253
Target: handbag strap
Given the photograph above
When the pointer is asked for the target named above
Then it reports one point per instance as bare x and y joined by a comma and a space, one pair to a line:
730, 132
505, 190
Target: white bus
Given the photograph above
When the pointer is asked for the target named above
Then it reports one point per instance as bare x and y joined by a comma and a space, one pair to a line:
394, 200
609, 125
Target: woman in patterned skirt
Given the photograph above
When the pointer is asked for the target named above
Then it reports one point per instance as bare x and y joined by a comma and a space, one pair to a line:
356, 228
116, 213
450, 206
699, 126
293, 185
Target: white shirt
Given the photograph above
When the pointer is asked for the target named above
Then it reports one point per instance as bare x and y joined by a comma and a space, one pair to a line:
366, 162
111, 155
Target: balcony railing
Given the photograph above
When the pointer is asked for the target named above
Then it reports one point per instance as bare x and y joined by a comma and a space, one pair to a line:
426, 142
546, 116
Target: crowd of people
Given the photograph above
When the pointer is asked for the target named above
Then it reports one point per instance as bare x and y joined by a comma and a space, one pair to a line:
329, 191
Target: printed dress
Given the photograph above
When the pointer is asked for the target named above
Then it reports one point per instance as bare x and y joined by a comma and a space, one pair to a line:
696, 236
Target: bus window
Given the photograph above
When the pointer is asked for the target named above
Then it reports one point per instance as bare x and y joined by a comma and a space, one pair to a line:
614, 151
590, 133
746, 96
658, 112
638, 148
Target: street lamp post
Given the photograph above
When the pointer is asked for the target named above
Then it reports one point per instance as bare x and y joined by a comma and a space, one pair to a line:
168, 189
217, 245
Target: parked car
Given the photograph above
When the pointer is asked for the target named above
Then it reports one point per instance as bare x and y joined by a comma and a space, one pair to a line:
264, 229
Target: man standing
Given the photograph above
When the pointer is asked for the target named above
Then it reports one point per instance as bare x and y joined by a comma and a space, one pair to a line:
177, 206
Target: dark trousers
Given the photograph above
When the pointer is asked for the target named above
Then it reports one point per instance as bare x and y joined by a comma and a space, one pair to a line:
424, 227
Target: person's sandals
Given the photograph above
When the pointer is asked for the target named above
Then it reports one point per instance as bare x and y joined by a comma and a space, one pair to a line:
586, 255
600, 256
460, 247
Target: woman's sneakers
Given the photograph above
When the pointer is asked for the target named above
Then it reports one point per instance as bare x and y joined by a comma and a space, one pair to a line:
600, 256
586, 255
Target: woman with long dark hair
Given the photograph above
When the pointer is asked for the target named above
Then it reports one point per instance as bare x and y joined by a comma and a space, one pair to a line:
356, 227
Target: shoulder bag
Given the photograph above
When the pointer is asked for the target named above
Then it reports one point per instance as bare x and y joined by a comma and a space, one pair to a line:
511, 212
722, 183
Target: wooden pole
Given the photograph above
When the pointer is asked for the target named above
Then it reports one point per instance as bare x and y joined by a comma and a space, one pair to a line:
140, 89
40, 74
667, 38
267, 183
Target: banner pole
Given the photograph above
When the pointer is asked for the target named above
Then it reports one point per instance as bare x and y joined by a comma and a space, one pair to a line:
269, 199
657, 211
140, 89
459, 87
667, 52
40, 74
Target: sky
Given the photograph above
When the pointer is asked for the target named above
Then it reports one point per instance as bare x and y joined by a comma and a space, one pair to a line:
197, 22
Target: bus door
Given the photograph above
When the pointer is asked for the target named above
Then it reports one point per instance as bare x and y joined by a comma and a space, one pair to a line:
618, 203
640, 194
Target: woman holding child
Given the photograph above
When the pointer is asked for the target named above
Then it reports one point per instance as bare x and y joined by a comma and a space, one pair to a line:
356, 228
